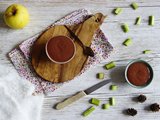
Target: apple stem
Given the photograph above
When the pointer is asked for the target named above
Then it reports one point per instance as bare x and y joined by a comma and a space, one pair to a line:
12, 13
14, 10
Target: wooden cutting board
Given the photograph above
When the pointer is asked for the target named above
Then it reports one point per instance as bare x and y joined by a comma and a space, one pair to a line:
63, 72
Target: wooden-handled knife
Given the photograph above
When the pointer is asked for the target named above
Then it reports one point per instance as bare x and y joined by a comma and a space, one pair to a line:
81, 94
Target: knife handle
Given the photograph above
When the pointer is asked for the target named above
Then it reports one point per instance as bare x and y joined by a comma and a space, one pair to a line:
70, 100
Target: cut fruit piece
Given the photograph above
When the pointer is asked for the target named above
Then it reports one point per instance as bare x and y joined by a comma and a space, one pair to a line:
146, 51
152, 19
113, 87
125, 28
101, 75
113, 101
134, 6
110, 65
138, 21
127, 42
87, 112
118, 10
106, 106
95, 101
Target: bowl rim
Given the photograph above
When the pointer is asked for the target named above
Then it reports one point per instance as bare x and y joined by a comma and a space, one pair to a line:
57, 61
151, 73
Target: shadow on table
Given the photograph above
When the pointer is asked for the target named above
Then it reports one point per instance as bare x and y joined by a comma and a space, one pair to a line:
2, 22
125, 112
117, 75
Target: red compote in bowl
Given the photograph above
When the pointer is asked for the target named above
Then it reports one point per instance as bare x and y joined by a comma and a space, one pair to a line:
60, 49
138, 73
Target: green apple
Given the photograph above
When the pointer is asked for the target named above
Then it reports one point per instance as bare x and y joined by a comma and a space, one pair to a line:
16, 16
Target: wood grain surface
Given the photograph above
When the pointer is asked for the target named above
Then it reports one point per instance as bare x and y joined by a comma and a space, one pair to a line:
57, 73
45, 12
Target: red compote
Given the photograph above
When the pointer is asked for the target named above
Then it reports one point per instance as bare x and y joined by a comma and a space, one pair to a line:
60, 49
138, 74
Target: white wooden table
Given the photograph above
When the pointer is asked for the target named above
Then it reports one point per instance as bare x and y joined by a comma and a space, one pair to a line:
45, 12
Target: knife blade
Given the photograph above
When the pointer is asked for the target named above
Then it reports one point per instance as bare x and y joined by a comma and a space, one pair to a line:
81, 94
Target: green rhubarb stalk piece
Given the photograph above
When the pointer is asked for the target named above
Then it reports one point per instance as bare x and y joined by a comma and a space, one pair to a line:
106, 106
110, 65
88, 111
113, 101
113, 87
118, 10
101, 75
125, 28
138, 21
134, 6
146, 51
152, 19
95, 101
127, 42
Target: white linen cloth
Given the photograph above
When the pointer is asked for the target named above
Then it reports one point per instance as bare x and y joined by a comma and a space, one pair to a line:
16, 99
